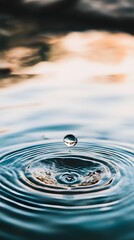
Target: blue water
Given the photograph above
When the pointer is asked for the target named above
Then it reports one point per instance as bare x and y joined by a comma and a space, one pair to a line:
36, 196
55, 185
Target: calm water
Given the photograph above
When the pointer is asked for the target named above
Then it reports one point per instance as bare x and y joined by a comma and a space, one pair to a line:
55, 185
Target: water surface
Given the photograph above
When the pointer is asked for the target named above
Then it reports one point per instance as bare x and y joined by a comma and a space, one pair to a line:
55, 185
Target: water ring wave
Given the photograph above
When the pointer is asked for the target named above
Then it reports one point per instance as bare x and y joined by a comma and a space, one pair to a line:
93, 175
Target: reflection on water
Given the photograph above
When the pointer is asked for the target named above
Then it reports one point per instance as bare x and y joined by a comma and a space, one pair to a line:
104, 56
70, 84
71, 15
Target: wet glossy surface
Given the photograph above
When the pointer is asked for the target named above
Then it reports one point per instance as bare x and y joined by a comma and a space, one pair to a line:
66, 134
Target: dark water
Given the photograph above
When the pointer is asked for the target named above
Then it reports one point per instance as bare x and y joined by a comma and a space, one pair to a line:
36, 203
55, 82
76, 15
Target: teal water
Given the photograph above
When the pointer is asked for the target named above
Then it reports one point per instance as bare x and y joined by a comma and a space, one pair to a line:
66, 120
51, 191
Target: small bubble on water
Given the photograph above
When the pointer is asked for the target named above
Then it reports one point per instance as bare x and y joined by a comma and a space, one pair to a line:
70, 140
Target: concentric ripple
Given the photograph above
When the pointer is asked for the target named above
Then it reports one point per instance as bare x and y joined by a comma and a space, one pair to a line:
92, 175
67, 172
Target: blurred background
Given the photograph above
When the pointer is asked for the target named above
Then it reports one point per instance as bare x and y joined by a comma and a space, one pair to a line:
70, 62
66, 67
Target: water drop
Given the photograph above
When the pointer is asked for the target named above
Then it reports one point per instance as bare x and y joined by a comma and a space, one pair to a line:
70, 140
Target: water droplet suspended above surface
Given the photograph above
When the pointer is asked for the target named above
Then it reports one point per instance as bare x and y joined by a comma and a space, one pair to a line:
70, 140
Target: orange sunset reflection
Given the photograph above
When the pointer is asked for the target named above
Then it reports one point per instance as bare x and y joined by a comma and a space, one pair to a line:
78, 56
